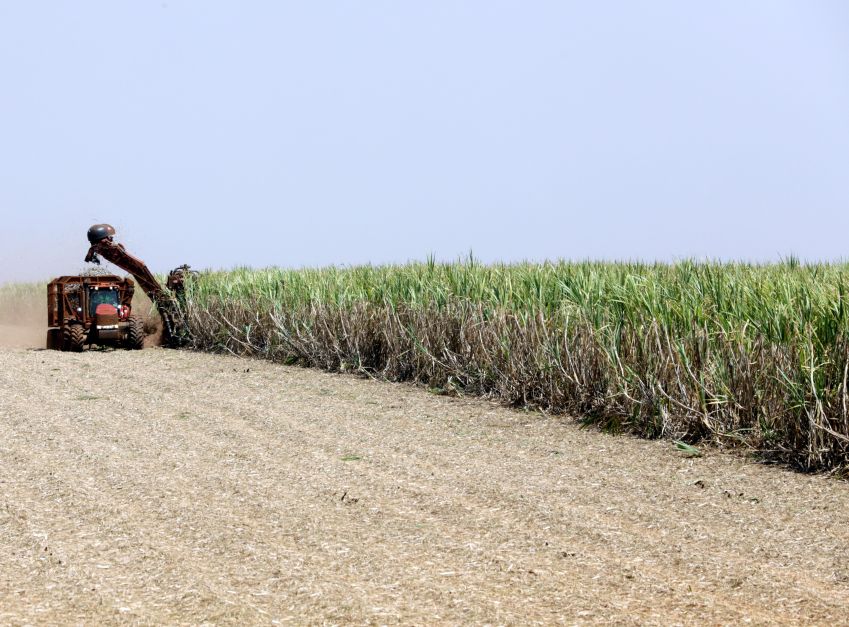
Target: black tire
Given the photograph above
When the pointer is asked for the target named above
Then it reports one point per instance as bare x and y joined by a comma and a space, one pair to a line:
73, 338
54, 339
135, 333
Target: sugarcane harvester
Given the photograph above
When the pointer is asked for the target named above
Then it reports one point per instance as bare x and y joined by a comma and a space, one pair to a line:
167, 299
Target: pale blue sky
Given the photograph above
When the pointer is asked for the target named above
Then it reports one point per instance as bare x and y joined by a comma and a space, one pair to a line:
299, 134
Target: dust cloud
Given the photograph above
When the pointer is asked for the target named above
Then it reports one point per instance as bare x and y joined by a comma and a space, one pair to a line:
23, 321
18, 336
23, 315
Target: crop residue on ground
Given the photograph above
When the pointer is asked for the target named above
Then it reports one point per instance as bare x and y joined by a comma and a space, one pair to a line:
168, 486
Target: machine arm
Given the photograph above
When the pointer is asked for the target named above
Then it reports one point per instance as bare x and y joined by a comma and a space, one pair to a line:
100, 236
117, 254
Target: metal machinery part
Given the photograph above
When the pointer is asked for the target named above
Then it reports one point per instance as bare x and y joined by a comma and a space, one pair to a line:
166, 299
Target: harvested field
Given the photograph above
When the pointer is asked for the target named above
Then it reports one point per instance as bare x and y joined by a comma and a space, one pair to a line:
174, 487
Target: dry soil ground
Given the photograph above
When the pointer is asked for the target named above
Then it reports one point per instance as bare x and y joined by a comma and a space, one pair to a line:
171, 487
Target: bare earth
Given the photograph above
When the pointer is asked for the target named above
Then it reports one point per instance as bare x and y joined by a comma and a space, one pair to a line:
170, 487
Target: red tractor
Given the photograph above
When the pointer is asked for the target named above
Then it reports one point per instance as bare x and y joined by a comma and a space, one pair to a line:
98, 309
92, 310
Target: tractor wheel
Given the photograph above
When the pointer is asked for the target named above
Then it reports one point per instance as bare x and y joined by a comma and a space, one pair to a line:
135, 333
73, 338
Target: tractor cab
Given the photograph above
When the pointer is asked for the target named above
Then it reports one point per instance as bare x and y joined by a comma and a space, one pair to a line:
109, 295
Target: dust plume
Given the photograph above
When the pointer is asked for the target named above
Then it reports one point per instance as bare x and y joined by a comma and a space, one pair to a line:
23, 315
21, 336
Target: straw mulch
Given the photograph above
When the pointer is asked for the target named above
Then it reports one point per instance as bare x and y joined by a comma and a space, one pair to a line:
181, 488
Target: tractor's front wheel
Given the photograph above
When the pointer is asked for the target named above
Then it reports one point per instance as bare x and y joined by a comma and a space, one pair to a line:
135, 333
73, 338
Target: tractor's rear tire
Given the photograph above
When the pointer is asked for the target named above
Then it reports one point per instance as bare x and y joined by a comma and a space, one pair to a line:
135, 333
73, 338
